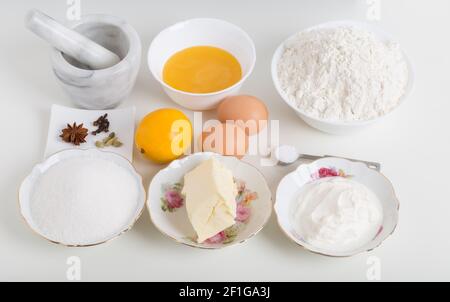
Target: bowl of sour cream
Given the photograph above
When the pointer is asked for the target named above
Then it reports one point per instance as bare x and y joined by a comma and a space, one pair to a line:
336, 207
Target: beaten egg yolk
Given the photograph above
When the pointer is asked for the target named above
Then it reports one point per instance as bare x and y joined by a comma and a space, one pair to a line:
202, 69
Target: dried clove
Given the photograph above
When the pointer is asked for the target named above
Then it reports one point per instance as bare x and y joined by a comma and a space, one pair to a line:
102, 123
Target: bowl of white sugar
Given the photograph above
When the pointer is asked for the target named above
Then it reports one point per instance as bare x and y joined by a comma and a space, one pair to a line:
342, 76
81, 198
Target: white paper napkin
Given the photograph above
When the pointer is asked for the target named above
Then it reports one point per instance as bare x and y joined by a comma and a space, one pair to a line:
121, 122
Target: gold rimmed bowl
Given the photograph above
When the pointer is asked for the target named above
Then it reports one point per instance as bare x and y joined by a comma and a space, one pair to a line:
28, 185
291, 185
168, 211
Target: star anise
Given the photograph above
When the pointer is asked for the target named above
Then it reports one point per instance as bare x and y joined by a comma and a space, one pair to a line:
74, 134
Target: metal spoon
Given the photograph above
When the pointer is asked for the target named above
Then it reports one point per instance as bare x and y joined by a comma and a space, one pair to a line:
287, 155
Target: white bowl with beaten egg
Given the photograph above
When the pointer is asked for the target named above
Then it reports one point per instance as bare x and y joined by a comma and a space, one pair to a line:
336, 126
291, 189
201, 32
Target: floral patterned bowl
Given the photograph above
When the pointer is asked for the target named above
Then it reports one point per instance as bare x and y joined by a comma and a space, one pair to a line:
168, 212
290, 186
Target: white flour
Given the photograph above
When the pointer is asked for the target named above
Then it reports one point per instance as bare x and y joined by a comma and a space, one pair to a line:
343, 74
83, 201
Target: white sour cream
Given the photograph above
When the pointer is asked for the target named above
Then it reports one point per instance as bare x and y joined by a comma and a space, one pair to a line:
337, 214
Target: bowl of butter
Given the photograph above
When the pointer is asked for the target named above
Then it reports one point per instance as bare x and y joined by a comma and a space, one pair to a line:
209, 201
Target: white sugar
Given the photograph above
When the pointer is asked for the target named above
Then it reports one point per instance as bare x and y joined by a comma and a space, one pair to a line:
83, 201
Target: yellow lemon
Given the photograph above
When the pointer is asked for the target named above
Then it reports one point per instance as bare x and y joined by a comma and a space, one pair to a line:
164, 135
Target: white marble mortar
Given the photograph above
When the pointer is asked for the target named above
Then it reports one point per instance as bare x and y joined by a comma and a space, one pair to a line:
103, 88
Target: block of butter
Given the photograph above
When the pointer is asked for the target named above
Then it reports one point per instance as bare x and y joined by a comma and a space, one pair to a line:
210, 193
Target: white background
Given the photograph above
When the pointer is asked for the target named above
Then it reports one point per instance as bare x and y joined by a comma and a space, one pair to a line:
413, 145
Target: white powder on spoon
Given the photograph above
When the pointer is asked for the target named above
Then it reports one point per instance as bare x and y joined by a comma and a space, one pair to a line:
82, 201
343, 74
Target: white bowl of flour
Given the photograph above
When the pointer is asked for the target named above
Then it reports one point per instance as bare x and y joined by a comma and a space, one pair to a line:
341, 76
81, 198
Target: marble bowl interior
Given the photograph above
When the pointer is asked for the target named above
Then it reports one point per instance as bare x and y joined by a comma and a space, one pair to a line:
109, 36
100, 89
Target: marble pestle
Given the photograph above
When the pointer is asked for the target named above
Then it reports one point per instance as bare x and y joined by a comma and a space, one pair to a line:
70, 42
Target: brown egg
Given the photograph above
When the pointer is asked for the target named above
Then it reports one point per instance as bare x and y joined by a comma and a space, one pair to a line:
226, 139
246, 111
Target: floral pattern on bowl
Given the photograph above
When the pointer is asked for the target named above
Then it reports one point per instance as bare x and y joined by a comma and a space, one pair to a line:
254, 205
290, 186
325, 172
172, 198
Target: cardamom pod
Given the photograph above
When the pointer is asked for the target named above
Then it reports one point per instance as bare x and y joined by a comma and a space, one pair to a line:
110, 140
118, 144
